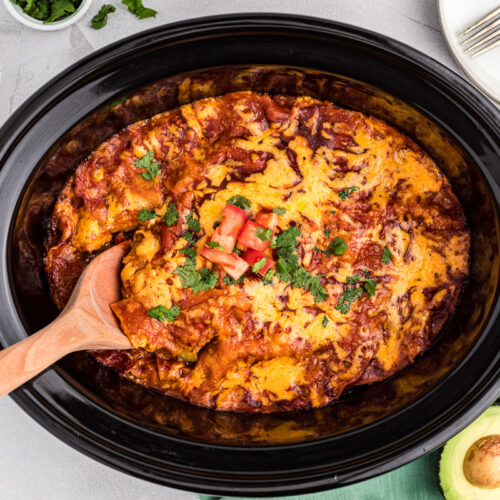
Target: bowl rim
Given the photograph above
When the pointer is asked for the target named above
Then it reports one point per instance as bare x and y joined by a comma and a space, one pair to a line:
17, 13
60, 425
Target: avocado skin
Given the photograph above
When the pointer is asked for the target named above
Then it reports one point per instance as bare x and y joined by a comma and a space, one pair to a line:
453, 482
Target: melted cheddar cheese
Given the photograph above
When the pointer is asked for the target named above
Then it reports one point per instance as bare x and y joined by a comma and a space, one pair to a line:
252, 346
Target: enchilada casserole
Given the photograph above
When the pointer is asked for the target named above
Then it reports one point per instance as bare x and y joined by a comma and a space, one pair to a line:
283, 249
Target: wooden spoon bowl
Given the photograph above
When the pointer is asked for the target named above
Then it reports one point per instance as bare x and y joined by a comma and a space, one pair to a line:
86, 322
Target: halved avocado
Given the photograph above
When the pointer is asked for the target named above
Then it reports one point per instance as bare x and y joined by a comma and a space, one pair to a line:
470, 462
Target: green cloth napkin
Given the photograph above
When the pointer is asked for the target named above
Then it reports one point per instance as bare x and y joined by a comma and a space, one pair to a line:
416, 481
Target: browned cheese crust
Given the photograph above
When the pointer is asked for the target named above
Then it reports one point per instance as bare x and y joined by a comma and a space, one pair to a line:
250, 346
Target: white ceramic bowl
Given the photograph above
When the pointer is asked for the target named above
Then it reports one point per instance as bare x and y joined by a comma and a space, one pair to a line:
18, 13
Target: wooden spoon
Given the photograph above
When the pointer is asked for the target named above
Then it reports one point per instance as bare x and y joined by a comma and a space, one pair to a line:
86, 322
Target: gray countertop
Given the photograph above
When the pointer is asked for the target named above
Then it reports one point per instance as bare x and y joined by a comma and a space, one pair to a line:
33, 463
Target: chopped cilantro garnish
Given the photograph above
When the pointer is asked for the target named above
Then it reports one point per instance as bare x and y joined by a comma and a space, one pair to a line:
263, 233
345, 193
351, 280
347, 298
338, 246
332, 212
369, 286
259, 265
101, 18
171, 215
327, 232
228, 280
279, 210
386, 256
205, 279
214, 244
193, 224
153, 168
144, 214
136, 8
240, 202
287, 267
161, 313
187, 235
189, 252
325, 321
287, 238
268, 278
231, 281
353, 293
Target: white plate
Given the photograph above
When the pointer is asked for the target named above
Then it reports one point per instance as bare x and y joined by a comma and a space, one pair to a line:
484, 70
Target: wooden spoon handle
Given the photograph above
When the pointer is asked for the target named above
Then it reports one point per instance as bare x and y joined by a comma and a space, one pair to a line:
22, 361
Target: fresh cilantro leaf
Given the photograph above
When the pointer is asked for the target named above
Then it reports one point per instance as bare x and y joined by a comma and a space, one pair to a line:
287, 238
325, 321
216, 224
193, 224
208, 279
228, 280
214, 244
386, 256
351, 280
353, 293
317, 289
345, 193
301, 278
161, 313
144, 214
205, 279
171, 215
338, 246
287, 267
369, 286
259, 265
101, 18
60, 9
332, 212
240, 202
268, 278
279, 210
187, 235
327, 232
189, 252
136, 8
263, 233
153, 168
347, 298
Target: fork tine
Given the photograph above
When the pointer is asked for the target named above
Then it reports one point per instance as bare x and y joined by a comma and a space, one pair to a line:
483, 41
491, 15
485, 49
482, 32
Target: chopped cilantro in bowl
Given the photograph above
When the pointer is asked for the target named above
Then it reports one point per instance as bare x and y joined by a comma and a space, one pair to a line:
48, 15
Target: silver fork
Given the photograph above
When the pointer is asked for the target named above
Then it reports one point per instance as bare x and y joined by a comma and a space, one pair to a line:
487, 31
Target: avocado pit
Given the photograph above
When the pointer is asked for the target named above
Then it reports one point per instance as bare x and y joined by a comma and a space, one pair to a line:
482, 462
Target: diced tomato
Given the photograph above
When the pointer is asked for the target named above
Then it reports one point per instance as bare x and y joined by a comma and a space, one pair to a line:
233, 265
248, 237
226, 233
253, 256
267, 219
